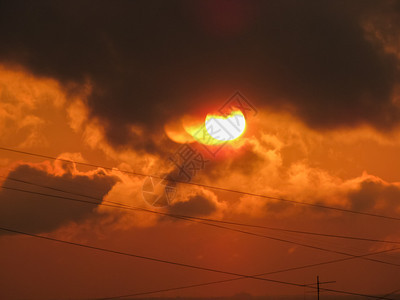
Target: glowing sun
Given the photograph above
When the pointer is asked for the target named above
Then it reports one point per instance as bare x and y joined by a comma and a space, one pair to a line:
226, 128
214, 129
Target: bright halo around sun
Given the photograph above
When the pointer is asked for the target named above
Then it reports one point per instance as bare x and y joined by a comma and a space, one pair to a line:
225, 128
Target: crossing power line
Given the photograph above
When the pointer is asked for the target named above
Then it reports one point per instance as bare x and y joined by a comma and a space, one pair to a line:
240, 278
206, 219
207, 224
315, 205
178, 264
123, 206
213, 282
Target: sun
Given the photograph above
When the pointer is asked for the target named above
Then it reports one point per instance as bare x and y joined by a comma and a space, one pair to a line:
218, 129
226, 128
213, 129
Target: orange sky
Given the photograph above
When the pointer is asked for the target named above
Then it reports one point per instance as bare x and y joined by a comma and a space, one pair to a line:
345, 162
279, 157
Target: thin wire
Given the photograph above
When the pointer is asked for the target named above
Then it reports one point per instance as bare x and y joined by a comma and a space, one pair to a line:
391, 293
178, 263
240, 278
325, 282
207, 219
210, 224
209, 186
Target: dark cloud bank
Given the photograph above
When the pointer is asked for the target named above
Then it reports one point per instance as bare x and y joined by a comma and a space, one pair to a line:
149, 60
36, 213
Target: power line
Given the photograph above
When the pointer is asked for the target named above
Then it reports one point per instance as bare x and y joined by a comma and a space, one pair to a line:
274, 272
209, 224
207, 219
169, 262
240, 278
209, 186
391, 293
359, 256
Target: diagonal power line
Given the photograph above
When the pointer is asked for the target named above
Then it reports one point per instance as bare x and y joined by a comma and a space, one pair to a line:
240, 278
208, 224
210, 186
169, 262
391, 293
232, 223
205, 219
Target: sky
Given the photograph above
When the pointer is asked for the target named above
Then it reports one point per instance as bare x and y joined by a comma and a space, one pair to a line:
103, 102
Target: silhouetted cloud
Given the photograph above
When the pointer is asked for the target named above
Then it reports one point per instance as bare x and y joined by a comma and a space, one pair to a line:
38, 213
373, 195
196, 206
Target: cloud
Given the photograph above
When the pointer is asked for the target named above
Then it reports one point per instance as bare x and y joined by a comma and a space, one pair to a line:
196, 206
21, 97
375, 195
36, 213
150, 61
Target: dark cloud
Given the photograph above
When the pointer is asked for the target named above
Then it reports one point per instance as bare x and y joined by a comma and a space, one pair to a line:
196, 206
36, 213
373, 195
151, 60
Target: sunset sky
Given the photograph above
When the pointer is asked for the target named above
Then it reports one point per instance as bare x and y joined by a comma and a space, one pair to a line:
98, 99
